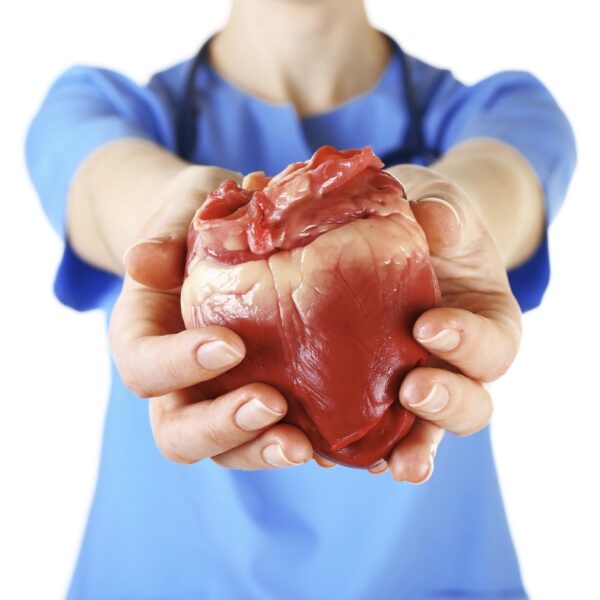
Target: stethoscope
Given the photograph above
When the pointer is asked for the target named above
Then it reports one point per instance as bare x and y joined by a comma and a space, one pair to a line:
412, 150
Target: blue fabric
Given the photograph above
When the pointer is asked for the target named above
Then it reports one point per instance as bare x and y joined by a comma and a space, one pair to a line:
161, 530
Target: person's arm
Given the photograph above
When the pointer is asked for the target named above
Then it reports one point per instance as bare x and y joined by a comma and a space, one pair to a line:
100, 153
507, 155
120, 186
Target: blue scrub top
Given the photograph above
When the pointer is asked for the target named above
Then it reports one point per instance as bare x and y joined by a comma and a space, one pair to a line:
157, 529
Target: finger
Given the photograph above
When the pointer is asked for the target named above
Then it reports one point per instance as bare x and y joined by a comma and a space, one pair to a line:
482, 345
157, 262
412, 459
151, 360
437, 204
323, 462
457, 240
442, 224
255, 181
279, 447
450, 400
186, 431
380, 468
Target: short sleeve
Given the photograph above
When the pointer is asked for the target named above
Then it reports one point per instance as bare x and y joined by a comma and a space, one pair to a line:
516, 108
84, 109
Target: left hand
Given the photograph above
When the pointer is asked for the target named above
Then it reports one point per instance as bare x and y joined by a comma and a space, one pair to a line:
159, 359
473, 337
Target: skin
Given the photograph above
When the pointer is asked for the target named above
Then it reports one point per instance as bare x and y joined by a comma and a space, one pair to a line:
480, 206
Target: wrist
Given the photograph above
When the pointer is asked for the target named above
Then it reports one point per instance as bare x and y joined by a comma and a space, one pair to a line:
120, 186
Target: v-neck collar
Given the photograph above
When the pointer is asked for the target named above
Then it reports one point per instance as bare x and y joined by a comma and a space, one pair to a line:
376, 118
388, 80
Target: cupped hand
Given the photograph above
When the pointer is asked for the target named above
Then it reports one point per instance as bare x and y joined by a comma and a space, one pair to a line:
473, 337
160, 360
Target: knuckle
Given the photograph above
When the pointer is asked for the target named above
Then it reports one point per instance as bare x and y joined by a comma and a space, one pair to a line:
215, 433
511, 335
413, 470
132, 381
173, 363
220, 461
496, 371
480, 417
469, 427
172, 455
128, 366
169, 449
166, 431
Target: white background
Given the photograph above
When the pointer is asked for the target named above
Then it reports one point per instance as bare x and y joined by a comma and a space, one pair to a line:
54, 364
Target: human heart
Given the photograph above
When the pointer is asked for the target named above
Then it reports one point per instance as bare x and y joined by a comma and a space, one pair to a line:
322, 270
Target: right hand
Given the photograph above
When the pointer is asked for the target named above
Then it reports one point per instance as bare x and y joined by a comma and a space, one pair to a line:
158, 359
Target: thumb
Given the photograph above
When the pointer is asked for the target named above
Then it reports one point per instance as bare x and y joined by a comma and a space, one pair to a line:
157, 262
441, 222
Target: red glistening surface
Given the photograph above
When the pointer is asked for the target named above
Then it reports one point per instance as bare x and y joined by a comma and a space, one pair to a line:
322, 270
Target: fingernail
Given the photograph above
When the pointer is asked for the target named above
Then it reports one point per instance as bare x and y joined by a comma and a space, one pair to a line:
323, 462
434, 402
443, 203
217, 355
444, 341
158, 239
273, 455
379, 468
255, 415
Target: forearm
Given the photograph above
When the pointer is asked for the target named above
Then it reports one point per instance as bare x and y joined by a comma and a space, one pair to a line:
505, 191
115, 191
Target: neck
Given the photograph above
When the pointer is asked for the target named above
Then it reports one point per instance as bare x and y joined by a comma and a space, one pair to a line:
314, 54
